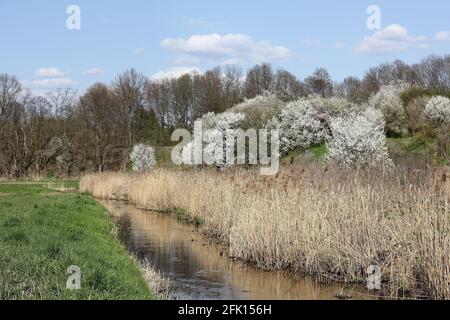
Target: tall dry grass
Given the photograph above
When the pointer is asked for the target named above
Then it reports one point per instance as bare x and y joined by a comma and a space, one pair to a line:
106, 186
159, 285
319, 220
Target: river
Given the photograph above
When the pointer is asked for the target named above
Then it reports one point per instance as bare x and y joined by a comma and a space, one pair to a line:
201, 270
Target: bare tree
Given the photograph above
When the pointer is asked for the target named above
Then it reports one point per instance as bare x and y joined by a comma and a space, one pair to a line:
232, 86
209, 89
434, 72
99, 112
259, 79
62, 130
287, 86
129, 87
351, 88
320, 83
62, 105
183, 100
10, 89
158, 96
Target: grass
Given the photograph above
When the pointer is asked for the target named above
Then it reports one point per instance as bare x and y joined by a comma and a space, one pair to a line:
163, 156
313, 219
415, 152
319, 151
315, 153
185, 217
43, 232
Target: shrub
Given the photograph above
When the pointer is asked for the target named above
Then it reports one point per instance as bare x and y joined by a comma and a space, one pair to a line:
415, 92
60, 149
438, 110
301, 125
215, 136
388, 101
259, 110
334, 106
358, 140
416, 119
142, 158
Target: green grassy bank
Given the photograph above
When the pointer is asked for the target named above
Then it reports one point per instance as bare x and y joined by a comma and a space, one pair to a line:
43, 232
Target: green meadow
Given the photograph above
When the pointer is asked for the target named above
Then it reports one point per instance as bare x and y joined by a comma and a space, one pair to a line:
43, 232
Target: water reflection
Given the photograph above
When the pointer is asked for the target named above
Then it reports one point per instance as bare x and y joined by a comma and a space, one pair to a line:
199, 269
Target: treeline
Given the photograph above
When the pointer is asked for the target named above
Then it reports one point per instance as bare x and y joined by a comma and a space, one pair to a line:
68, 133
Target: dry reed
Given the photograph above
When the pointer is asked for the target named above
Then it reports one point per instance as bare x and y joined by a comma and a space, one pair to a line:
315, 219
159, 285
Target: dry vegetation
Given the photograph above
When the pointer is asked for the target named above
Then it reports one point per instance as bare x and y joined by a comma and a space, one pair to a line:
319, 220
159, 285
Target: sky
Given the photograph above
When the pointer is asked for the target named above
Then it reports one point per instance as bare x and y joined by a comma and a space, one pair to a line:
169, 37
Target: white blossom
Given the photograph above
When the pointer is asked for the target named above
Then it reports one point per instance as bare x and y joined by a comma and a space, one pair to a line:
388, 101
223, 121
333, 106
60, 149
259, 110
358, 140
301, 125
216, 132
438, 110
142, 158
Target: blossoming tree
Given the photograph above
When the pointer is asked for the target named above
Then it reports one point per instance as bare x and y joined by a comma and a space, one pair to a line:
142, 158
358, 140
388, 101
301, 126
215, 136
259, 110
438, 111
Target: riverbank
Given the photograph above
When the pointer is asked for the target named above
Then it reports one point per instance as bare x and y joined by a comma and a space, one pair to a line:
44, 231
314, 219
197, 268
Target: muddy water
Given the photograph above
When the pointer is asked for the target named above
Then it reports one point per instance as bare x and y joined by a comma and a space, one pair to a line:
201, 270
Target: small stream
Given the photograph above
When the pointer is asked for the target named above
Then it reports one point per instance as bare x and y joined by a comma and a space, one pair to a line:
200, 270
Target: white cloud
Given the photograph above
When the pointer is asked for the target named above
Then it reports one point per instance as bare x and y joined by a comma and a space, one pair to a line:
47, 79
423, 46
393, 38
186, 60
339, 45
139, 50
40, 92
174, 72
93, 72
310, 43
220, 48
52, 83
443, 36
48, 73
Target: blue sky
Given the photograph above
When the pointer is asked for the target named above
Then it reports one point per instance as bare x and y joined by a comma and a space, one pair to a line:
168, 37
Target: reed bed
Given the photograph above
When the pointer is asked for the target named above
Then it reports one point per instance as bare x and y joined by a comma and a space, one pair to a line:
314, 219
159, 285
106, 186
